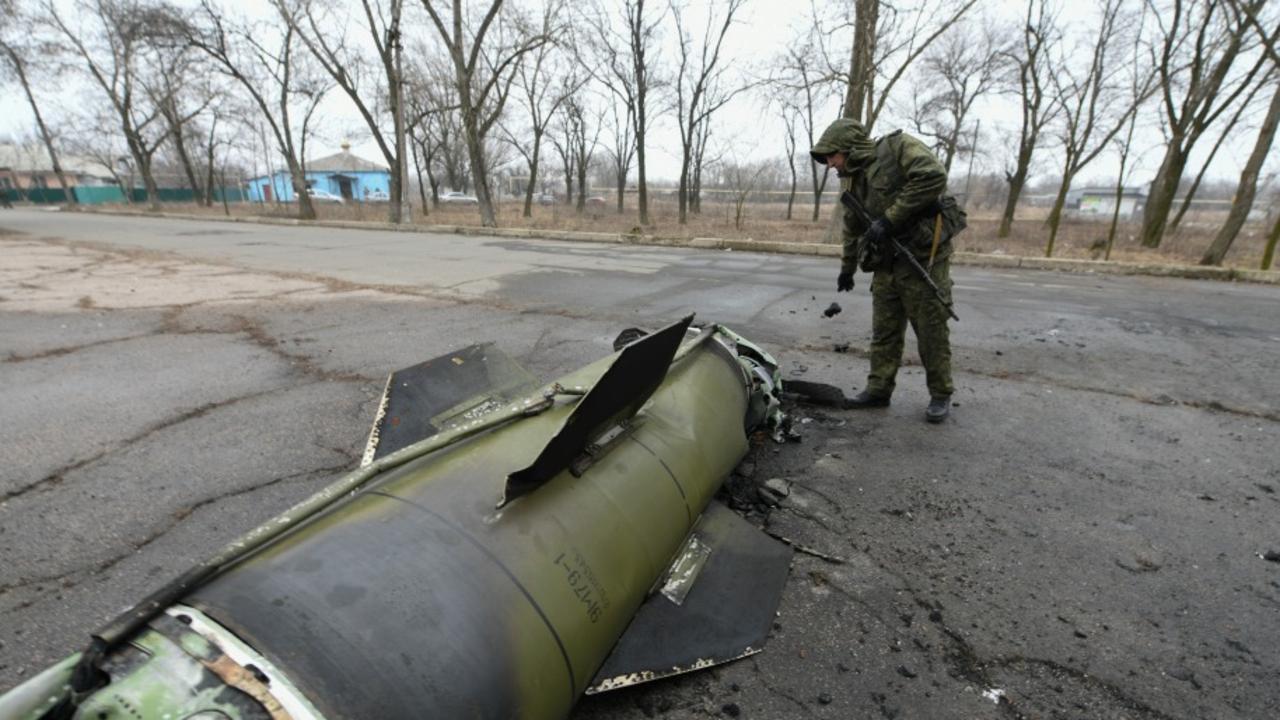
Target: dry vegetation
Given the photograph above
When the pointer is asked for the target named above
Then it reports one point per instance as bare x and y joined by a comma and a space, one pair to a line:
1078, 238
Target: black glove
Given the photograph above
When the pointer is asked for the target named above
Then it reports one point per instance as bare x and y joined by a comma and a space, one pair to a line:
844, 282
878, 234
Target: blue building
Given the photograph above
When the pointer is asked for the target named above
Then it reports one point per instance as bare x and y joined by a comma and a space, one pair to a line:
345, 175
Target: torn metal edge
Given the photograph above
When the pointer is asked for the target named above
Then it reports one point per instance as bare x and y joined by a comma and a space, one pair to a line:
644, 676
278, 684
375, 432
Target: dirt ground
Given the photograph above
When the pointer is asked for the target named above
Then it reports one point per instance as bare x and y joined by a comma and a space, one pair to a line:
1077, 238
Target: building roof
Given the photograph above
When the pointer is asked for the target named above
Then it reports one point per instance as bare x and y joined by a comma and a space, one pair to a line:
35, 159
344, 162
1111, 191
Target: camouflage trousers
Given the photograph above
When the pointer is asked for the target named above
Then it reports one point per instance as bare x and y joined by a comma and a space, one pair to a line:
899, 297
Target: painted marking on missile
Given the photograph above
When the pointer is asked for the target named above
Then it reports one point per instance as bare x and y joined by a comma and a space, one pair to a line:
583, 582
685, 569
564, 653
688, 512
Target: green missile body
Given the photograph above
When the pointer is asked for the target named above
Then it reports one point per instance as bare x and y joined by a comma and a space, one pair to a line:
509, 552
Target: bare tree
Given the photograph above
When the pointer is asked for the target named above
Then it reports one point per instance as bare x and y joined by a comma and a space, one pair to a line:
789, 114
1040, 35
964, 65
272, 76
112, 39
1093, 111
807, 91
887, 40
1139, 86
484, 62
321, 26
540, 97
622, 148
698, 78
170, 85
562, 141
886, 44
18, 41
1242, 202
742, 179
584, 127
1198, 48
434, 125
1228, 132
623, 62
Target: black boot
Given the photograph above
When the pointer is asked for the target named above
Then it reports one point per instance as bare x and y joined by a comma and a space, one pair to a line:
865, 399
939, 408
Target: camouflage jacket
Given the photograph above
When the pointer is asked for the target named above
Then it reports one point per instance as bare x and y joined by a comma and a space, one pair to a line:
903, 182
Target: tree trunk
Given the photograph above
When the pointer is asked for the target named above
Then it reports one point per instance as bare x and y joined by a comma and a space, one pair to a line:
642, 187
209, 179
1269, 252
480, 174
861, 79
143, 159
861, 70
1055, 215
21, 72
417, 170
682, 194
791, 198
818, 189
306, 210
533, 174
1115, 211
1017, 181
1160, 200
226, 207
189, 168
1248, 187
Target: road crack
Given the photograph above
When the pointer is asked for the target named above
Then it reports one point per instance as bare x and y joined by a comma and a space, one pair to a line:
64, 581
57, 476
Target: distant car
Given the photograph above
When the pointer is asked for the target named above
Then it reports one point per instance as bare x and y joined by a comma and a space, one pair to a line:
377, 196
545, 199
596, 200
323, 196
457, 198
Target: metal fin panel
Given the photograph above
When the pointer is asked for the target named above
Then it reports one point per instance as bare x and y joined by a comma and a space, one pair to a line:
724, 616
421, 400
619, 393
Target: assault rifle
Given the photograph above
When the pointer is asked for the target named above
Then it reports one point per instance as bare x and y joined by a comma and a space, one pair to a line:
860, 213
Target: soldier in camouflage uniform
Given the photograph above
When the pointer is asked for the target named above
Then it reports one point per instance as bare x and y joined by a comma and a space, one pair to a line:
901, 185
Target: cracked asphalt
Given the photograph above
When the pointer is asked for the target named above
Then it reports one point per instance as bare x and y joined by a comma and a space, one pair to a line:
1085, 538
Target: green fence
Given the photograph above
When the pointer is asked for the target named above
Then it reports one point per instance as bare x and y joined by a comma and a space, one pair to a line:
101, 195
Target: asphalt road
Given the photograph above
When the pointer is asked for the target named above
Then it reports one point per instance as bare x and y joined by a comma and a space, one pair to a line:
1085, 538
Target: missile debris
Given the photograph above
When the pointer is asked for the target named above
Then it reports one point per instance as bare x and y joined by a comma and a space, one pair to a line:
504, 548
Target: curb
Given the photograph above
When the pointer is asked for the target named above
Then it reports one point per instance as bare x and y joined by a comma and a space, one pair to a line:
1189, 272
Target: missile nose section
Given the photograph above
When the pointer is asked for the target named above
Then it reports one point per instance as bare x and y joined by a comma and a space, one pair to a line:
504, 549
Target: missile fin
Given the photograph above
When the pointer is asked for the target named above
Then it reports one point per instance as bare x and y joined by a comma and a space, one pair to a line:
620, 392
716, 605
421, 400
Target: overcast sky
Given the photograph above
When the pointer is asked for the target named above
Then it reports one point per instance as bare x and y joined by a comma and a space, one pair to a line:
748, 127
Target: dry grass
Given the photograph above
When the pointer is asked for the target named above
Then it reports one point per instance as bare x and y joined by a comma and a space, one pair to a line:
1077, 238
